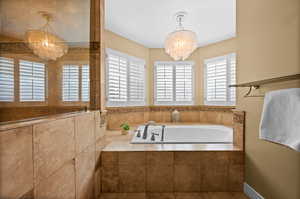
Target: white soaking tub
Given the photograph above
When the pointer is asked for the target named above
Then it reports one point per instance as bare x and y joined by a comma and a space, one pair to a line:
183, 134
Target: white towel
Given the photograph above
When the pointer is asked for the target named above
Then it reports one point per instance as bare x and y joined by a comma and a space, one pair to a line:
280, 120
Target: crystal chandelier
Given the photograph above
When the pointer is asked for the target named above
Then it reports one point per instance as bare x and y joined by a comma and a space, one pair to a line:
44, 44
181, 43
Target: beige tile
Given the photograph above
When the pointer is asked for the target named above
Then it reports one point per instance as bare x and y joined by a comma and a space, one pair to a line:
214, 167
227, 118
99, 131
50, 140
59, 185
160, 196
235, 178
190, 158
187, 178
123, 196
160, 178
160, 158
16, 170
110, 178
84, 131
212, 117
188, 196
132, 178
109, 158
166, 116
132, 158
189, 116
28, 195
84, 169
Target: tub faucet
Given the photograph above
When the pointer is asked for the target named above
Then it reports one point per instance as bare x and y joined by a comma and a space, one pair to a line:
162, 132
145, 131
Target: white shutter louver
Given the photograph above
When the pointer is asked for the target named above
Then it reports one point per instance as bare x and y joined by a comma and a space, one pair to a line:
184, 83
85, 83
219, 74
117, 79
174, 83
32, 81
125, 78
136, 82
164, 83
6, 79
70, 87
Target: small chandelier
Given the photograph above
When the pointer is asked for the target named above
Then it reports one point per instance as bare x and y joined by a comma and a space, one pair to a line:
44, 44
181, 43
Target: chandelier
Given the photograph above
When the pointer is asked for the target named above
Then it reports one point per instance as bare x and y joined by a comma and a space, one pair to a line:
44, 44
181, 43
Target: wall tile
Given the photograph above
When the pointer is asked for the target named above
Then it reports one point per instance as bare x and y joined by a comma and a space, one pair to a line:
84, 131
109, 158
190, 158
59, 185
84, 169
159, 178
99, 130
132, 158
16, 170
132, 178
110, 178
236, 177
54, 145
187, 178
160, 158
189, 116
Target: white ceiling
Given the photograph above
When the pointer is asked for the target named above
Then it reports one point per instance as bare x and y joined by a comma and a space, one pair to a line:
149, 21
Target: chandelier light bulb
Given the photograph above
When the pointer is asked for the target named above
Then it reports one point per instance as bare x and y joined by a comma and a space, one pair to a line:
181, 43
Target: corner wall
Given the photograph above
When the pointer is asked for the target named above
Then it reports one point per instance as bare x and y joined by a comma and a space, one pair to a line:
269, 46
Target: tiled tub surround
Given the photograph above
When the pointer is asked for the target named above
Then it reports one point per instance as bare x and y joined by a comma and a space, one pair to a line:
135, 116
53, 157
172, 171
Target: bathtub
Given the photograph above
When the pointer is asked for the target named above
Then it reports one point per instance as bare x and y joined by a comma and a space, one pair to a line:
184, 134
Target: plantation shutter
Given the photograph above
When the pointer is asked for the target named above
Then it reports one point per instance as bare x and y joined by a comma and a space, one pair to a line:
136, 82
70, 87
32, 81
85, 83
125, 79
6, 79
174, 83
117, 78
232, 61
219, 74
184, 83
164, 83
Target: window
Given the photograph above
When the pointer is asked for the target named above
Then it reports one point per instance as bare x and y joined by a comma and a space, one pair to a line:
85, 83
125, 77
174, 83
6, 79
76, 83
220, 72
32, 81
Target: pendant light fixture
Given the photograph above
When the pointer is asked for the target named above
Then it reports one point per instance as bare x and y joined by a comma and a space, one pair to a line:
181, 43
44, 42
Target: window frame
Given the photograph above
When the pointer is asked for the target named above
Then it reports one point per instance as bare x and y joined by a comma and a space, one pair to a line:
228, 102
174, 102
129, 58
79, 64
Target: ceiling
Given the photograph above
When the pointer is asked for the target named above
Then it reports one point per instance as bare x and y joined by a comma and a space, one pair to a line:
145, 21
71, 18
149, 21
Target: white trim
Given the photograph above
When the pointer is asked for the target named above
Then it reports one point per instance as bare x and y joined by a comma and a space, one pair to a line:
251, 193
174, 103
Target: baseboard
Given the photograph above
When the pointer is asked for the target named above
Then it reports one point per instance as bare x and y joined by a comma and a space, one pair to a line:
251, 193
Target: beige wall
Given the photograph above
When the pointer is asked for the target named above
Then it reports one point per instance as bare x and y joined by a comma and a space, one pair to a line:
269, 38
151, 55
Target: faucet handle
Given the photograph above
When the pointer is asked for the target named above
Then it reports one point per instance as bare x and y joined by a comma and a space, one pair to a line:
138, 133
153, 136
